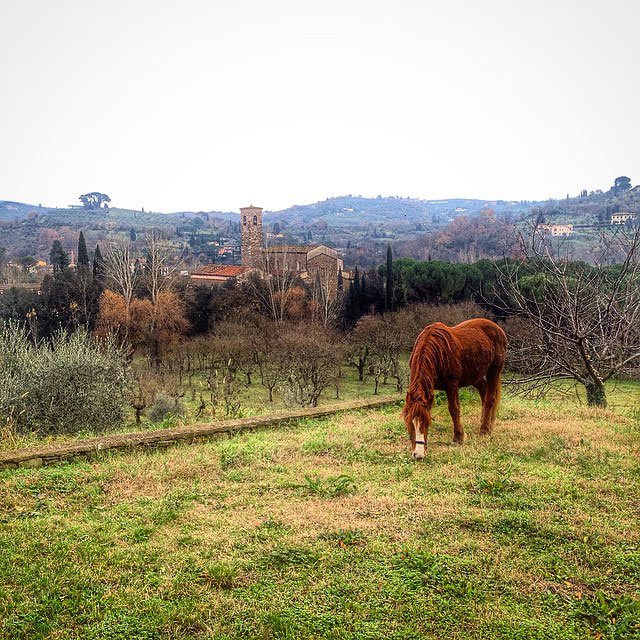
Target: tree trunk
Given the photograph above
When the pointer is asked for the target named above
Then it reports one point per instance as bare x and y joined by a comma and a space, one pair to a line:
154, 353
596, 394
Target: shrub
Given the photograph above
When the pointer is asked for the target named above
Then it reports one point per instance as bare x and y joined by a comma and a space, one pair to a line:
165, 406
72, 384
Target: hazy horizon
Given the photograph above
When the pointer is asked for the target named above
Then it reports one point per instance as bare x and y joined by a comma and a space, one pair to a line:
268, 209
213, 105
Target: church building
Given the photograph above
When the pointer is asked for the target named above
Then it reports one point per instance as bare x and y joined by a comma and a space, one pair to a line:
311, 263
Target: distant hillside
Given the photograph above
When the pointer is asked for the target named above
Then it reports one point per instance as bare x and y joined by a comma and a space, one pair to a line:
590, 209
338, 211
357, 211
78, 216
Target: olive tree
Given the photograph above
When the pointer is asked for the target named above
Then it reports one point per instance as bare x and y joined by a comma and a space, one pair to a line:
72, 384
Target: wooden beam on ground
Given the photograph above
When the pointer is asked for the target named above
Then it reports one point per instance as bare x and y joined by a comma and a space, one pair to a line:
89, 447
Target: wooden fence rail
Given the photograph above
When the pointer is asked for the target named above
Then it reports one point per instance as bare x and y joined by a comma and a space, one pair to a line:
88, 447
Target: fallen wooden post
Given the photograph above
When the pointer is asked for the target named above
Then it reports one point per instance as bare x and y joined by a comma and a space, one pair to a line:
88, 447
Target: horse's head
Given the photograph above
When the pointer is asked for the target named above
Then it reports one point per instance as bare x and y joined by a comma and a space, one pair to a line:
417, 419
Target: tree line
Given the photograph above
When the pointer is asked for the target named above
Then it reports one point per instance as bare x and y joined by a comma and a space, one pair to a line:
566, 319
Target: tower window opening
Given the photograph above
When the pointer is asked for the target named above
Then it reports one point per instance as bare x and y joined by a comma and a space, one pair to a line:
244, 219
255, 220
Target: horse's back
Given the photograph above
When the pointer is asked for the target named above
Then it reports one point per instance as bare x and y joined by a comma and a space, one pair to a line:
481, 334
464, 353
484, 326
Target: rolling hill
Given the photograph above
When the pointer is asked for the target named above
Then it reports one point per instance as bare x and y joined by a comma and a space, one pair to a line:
338, 211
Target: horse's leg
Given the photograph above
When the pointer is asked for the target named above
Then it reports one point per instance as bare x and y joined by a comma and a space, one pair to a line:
454, 410
481, 386
492, 398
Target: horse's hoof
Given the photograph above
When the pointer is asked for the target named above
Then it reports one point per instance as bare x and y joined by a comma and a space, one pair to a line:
458, 443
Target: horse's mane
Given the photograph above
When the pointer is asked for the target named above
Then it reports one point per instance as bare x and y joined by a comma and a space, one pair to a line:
431, 357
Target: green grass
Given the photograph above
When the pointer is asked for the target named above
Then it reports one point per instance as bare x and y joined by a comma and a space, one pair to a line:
330, 530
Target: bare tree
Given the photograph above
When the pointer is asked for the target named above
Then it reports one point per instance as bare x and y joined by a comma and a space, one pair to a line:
161, 266
325, 304
120, 276
159, 274
378, 342
157, 316
309, 360
578, 321
272, 288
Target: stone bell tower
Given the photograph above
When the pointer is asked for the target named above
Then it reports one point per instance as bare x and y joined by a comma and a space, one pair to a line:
251, 231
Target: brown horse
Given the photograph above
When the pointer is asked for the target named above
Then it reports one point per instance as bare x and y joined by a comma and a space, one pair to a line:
446, 358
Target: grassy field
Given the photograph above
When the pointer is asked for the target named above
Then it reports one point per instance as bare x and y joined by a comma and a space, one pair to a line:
329, 530
253, 400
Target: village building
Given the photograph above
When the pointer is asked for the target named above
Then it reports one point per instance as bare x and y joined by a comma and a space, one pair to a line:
219, 274
311, 263
622, 217
559, 230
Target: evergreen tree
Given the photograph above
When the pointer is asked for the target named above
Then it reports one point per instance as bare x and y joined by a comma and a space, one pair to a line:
133, 236
354, 298
363, 301
98, 263
388, 289
83, 254
58, 257
399, 293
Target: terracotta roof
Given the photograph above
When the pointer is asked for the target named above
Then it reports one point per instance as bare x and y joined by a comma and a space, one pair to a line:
225, 271
288, 248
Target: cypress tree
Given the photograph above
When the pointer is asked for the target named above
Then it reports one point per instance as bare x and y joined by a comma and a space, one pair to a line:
354, 297
98, 262
83, 254
388, 289
363, 303
58, 257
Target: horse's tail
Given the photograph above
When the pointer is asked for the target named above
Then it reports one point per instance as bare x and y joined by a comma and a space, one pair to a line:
494, 409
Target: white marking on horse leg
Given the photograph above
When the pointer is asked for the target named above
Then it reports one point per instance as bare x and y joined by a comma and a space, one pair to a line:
420, 449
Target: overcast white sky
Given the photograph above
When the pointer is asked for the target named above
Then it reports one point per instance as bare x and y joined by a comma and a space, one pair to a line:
206, 104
